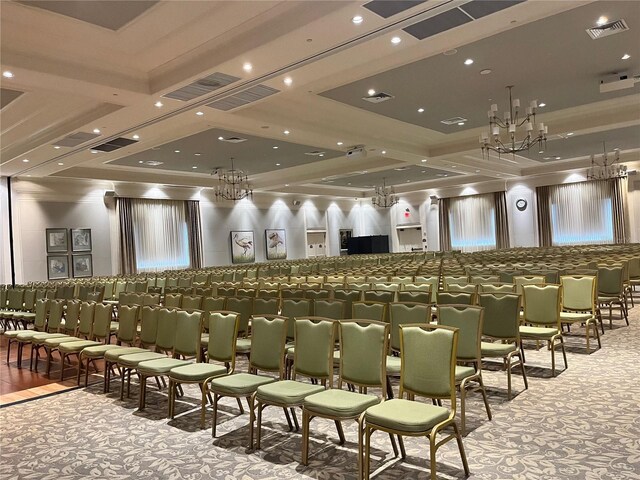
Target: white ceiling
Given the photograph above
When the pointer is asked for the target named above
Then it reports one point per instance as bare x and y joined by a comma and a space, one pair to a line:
82, 67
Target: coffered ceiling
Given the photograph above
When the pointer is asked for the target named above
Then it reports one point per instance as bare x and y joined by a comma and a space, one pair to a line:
169, 81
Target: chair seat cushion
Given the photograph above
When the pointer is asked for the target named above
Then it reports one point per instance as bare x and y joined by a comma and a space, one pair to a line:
243, 345
608, 298
24, 316
57, 341
115, 354
160, 366
463, 372
492, 349
286, 392
393, 365
76, 347
98, 351
339, 403
15, 333
111, 302
541, 333
239, 383
195, 372
28, 335
40, 339
406, 415
132, 360
574, 317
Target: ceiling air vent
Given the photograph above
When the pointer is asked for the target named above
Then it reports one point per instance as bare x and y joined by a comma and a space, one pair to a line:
607, 29
378, 98
232, 139
245, 97
453, 120
315, 153
75, 139
202, 86
114, 144
153, 163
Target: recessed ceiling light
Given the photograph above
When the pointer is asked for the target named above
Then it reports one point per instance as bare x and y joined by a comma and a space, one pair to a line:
60, 163
277, 164
454, 166
96, 130
339, 143
275, 147
460, 123
486, 71
357, 19
200, 113
468, 61
140, 161
197, 154
57, 147
453, 51
602, 20
384, 152
423, 160
420, 110
445, 175
558, 158
348, 183
94, 151
286, 132
158, 104
136, 137
177, 151
569, 134
25, 160
626, 56
247, 67
194, 167
407, 181
371, 91
547, 158
7, 74
286, 184
288, 81
477, 171
423, 171
321, 155
542, 104
396, 40
220, 138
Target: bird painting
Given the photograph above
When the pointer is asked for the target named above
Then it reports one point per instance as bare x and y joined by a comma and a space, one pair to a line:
242, 247
276, 246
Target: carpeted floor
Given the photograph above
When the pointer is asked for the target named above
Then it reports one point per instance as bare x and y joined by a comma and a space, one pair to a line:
583, 424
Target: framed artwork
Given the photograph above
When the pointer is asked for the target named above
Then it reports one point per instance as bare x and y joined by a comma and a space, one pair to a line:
57, 267
345, 235
276, 244
57, 240
82, 265
80, 239
242, 247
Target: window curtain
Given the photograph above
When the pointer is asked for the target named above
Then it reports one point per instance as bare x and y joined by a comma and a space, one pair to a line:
544, 216
502, 220
127, 243
619, 209
443, 219
194, 230
472, 223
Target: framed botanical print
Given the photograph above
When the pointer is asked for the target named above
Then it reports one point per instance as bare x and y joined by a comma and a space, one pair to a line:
276, 244
80, 239
57, 240
57, 267
242, 247
82, 265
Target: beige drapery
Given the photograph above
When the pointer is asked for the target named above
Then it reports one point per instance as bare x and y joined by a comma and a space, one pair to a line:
502, 220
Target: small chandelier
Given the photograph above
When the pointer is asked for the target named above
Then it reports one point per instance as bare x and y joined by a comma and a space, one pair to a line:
511, 122
232, 184
606, 169
384, 197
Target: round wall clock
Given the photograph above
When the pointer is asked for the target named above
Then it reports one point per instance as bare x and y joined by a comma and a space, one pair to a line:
521, 204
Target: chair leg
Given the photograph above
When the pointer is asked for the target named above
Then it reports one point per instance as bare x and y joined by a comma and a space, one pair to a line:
484, 396
305, 436
143, 391
340, 432
564, 353
360, 447
393, 444
553, 361
295, 418
524, 374
463, 395
240, 406
463, 455
203, 406
215, 417
433, 447
251, 421
403, 452
587, 334
286, 414
62, 357
389, 389
259, 426
508, 379
597, 332
122, 380
367, 452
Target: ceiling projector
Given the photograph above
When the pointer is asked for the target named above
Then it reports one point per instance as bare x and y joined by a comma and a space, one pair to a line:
357, 151
614, 83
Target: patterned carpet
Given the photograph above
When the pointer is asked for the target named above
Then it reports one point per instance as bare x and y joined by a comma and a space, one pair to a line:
584, 424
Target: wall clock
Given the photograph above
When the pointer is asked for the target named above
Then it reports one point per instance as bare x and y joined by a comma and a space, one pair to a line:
521, 204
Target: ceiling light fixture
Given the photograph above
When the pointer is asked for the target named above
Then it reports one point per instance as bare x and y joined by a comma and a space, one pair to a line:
602, 20
542, 105
220, 138
371, 92
197, 154
460, 123
510, 123
7, 74
177, 151
288, 81
423, 160
605, 168
420, 110
357, 20
384, 152
286, 132
339, 143
61, 164
275, 147
569, 134
247, 67
136, 137
158, 104
94, 151
626, 56
486, 71
194, 167
57, 147
96, 130
199, 113
232, 184
468, 61
396, 40
25, 160
286, 184
384, 197
277, 164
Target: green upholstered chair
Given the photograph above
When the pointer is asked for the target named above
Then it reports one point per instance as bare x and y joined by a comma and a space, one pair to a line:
361, 287
401, 279
15, 300
313, 359
501, 329
454, 279
412, 296
128, 319
468, 319
173, 300
246, 292
225, 291
223, 328
455, 298
100, 333
423, 284
265, 306
369, 311
496, 288
579, 304
348, 296
293, 308
317, 293
520, 280
506, 276
54, 320
292, 293
541, 318
186, 344
480, 279
399, 314
377, 278
267, 355
429, 360
363, 349
26, 314
326, 308
611, 291
23, 338
69, 324
191, 302
151, 299
462, 287
268, 293
243, 306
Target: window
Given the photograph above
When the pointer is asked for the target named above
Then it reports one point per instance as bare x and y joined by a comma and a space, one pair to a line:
472, 223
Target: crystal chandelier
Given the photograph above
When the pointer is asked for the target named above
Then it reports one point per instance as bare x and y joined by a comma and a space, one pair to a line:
232, 184
384, 197
606, 169
511, 123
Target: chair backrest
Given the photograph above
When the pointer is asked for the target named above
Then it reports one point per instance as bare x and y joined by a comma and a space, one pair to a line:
389, 287
166, 335
173, 300
369, 310
42, 310
85, 324
191, 302
610, 280
268, 293
362, 287
428, 354
334, 309
268, 338
313, 355
29, 300
72, 315
227, 291
521, 280
265, 306
455, 298
149, 325
243, 306
414, 296
223, 333
210, 304
56, 310
151, 299
457, 279
95, 297
506, 276
102, 321
579, 293
246, 292
501, 315
292, 308
128, 323
317, 293
15, 298
363, 353
542, 304
479, 279
466, 287
383, 296
496, 288
188, 333
402, 313
468, 320
349, 296
292, 293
